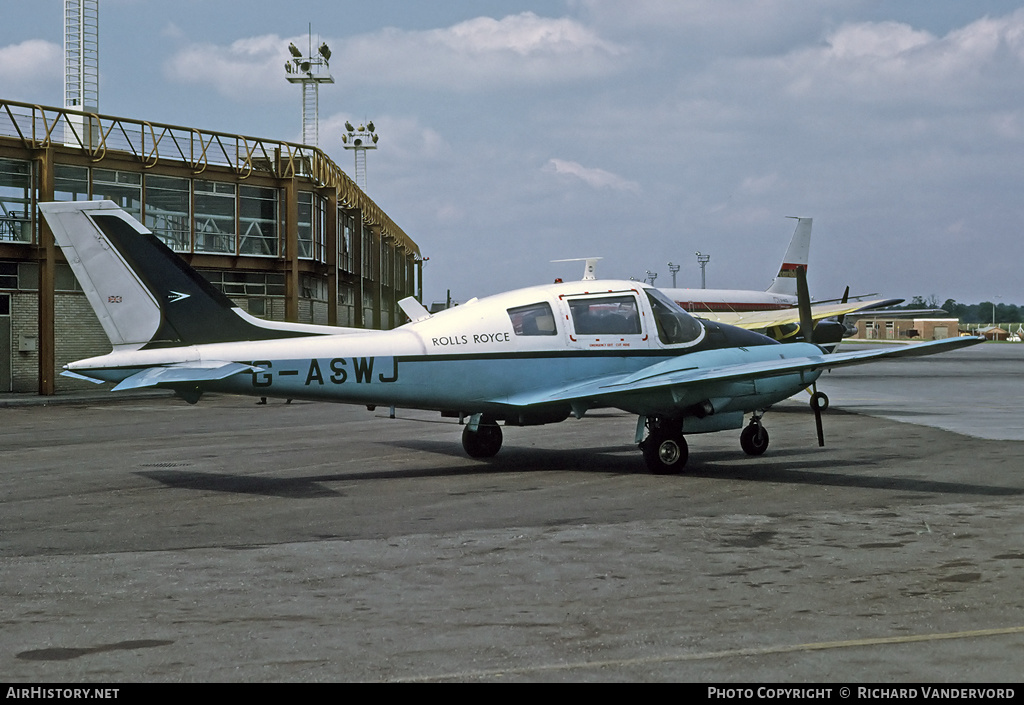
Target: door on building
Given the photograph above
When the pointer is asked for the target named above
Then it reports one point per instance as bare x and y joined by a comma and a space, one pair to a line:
6, 376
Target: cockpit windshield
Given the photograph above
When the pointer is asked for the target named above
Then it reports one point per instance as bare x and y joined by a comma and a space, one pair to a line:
675, 326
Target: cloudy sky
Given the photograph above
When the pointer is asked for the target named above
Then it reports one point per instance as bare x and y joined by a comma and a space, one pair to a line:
516, 133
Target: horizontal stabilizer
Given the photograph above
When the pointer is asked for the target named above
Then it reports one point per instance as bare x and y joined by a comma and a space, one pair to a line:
413, 309
186, 373
75, 375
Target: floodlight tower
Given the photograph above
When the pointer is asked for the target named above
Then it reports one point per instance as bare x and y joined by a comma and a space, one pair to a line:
310, 70
82, 70
359, 139
674, 268
703, 260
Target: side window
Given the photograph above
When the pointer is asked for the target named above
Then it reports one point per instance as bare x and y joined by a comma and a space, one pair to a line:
535, 319
607, 315
675, 326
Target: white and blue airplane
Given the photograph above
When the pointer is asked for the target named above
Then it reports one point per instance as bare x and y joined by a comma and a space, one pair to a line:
534, 356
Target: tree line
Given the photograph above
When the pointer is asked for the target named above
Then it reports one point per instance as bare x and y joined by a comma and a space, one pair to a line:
970, 313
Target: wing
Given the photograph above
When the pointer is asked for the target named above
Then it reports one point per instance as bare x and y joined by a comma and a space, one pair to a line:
757, 320
900, 313
702, 369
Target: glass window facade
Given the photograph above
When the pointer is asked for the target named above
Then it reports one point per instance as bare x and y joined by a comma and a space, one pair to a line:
258, 221
15, 201
347, 225
70, 183
214, 217
168, 211
8, 275
312, 226
122, 187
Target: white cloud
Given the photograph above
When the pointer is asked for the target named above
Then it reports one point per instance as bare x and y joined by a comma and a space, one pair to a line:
892, 62
31, 61
247, 70
478, 53
712, 27
485, 53
595, 178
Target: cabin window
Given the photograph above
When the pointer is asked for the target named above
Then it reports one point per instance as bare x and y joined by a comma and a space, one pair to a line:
535, 319
675, 326
607, 315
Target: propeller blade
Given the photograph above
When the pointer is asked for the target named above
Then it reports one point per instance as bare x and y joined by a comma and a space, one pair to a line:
803, 299
816, 406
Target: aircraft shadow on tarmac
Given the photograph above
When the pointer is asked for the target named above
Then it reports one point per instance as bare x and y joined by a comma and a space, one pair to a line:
617, 460
809, 473
313, 486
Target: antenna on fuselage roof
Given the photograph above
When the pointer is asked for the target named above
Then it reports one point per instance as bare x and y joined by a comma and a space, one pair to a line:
589, 269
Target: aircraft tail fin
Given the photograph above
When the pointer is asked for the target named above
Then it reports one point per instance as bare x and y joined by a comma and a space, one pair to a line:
796, 258
143, 293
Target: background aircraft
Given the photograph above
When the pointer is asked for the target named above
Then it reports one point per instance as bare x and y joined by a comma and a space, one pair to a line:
773, 312
526, 357
780, 295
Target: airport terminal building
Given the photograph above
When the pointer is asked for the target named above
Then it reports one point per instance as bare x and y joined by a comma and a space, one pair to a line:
278, 227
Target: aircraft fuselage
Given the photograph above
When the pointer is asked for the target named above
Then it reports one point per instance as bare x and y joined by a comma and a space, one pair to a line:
480, 359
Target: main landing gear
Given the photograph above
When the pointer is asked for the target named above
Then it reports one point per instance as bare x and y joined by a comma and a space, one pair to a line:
665, 449
754, 438
483, 441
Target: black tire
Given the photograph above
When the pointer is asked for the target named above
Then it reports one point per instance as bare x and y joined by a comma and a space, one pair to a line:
665, 452
819, 400
754, 439
485, 442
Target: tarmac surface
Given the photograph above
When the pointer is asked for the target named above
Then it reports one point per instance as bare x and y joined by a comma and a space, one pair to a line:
147, 540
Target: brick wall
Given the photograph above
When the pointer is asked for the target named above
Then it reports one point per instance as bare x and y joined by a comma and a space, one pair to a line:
78, 333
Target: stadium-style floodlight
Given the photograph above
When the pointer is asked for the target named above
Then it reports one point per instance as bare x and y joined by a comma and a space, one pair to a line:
310, 70
674, 269
703, 260
359, 139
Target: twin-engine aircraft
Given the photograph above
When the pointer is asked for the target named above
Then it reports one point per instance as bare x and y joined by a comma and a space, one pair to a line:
526, 357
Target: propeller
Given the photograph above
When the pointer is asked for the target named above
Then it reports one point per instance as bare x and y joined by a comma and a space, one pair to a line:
803, 299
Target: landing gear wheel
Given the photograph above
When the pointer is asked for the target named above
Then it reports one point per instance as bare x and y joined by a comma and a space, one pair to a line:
485, 442
819, 400
754, 439
665, 451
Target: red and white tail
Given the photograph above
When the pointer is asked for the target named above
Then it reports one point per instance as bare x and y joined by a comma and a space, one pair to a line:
796, 258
